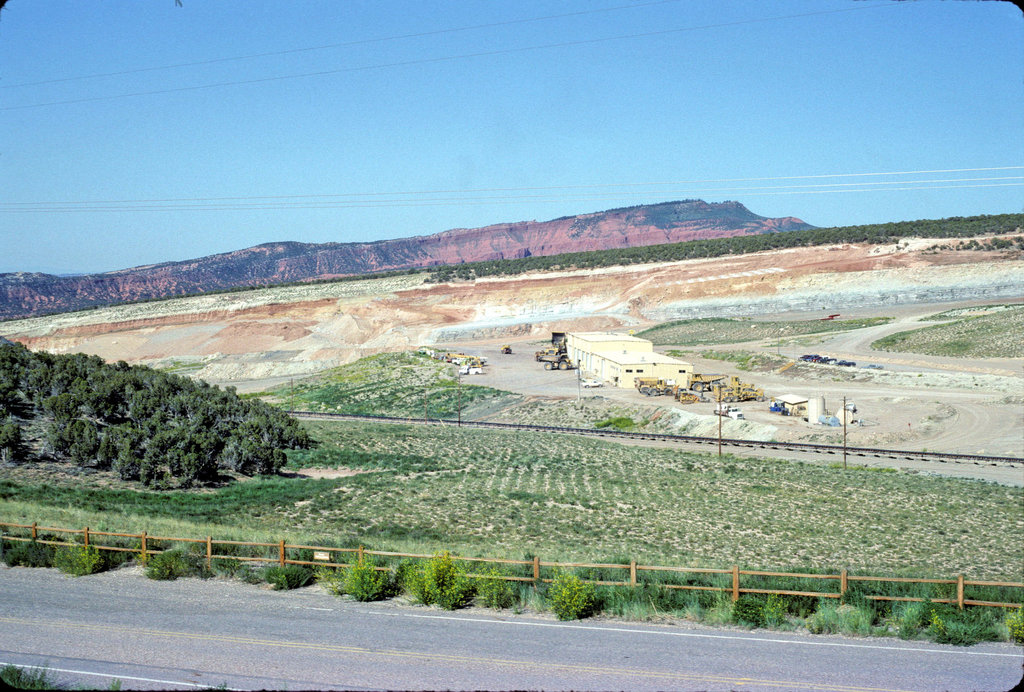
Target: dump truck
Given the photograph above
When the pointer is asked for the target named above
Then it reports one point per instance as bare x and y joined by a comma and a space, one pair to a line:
698, 382
506, 349
735, 390
555, 356
653, 386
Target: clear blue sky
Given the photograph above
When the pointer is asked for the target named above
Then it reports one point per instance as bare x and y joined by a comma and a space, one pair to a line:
134, 132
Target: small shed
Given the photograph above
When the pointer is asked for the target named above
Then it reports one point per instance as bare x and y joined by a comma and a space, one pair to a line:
792, 404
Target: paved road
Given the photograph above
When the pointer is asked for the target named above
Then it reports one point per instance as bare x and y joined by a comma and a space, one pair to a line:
191, 633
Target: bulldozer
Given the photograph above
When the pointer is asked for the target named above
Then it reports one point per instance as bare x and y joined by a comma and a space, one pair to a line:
684, 396
653, 386
734, 390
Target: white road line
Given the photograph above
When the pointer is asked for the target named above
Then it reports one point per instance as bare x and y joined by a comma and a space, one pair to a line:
711, 636
119, 677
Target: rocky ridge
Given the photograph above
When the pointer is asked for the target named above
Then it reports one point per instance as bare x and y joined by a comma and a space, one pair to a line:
24, 294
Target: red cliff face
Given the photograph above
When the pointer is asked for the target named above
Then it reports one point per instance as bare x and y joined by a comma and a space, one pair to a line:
671, 222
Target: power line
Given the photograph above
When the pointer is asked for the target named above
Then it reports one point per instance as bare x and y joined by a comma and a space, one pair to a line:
609, 189
347, 44
426, 61
477, 201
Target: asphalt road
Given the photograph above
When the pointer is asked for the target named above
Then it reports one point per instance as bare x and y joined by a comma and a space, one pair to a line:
192, 634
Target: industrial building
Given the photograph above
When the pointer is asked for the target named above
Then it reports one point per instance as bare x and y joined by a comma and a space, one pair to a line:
619, 358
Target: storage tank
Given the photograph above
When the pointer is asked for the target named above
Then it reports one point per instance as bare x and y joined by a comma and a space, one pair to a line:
815, 408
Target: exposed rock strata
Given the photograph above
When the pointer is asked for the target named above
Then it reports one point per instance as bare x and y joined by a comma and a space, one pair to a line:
24, 294
290, 331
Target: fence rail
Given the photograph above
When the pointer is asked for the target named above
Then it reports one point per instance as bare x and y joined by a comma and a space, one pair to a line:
278, 553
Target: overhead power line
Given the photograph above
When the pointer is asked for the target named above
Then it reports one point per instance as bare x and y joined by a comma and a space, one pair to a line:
426, 61
346, 44
492, 196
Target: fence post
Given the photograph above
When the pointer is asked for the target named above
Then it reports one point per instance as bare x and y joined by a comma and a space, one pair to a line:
843, 584
359, 555
35, 535
85, 536
209, 552
280, 547
960, 591
144, 555
632, 572
735, 582
536, 570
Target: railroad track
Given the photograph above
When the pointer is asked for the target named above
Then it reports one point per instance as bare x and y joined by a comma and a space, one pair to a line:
954, 457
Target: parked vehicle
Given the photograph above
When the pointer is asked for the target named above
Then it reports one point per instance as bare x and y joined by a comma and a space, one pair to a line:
588, 383
873, 366
847, 363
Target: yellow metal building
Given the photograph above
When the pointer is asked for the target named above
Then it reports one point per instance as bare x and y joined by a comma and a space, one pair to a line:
619, 358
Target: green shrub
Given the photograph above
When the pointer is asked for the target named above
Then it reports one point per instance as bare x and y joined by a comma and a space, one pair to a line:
617, 422
1015, 623
364, 582
775, 609
440, 581
494, 591
749, 610
168, 565
571, 598
909, 618
831, 618
949, 625
78, 560
32, 554
331, 579
288, 577
17, 678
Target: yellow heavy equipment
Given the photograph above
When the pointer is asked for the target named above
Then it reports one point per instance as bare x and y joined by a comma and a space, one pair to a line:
684, 396
506, 349
653, 386
734, 390
697, 382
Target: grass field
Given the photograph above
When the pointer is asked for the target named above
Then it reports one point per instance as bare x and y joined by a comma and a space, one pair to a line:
514, 494
700, 332
993, 335
392, 384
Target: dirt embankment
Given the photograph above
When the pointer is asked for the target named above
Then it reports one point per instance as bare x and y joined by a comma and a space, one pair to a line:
291, 331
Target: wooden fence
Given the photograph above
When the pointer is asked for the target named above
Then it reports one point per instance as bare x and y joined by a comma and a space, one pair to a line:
278, 553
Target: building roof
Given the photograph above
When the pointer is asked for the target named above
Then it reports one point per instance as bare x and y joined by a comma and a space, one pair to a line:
791, 399
606, 336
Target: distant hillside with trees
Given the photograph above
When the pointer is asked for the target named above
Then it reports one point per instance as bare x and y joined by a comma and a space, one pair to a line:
875, 234
160, 429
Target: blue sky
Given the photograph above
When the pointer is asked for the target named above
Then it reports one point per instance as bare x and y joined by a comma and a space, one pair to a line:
135, 132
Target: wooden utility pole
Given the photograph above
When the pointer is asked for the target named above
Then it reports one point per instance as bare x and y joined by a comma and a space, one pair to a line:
719, 422
844, 432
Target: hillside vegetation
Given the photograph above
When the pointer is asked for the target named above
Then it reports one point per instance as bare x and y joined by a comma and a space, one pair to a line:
141, 424
876, 234
699, 332
511, 494
993, 335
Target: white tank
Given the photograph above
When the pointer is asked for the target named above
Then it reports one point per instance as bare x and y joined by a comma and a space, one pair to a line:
815, 408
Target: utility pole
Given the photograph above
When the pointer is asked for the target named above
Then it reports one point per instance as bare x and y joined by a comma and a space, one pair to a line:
844, 432
458, 405
719, 422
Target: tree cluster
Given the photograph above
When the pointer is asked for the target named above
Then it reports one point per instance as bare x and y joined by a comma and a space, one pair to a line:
146, 425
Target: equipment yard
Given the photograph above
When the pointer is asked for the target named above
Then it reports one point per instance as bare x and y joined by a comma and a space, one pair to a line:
915, 402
